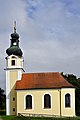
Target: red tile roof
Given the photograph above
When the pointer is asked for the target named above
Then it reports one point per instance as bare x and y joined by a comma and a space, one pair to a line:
41, 81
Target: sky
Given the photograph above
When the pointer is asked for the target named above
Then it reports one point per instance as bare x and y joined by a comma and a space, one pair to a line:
49, 33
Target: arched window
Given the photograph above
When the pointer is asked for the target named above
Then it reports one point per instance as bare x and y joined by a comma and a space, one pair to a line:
67, 100
28, 102
47, 101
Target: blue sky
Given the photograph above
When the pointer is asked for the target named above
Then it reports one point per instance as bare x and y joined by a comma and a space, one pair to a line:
49, 34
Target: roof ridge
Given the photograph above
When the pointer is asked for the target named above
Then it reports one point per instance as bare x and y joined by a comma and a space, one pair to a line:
39, 73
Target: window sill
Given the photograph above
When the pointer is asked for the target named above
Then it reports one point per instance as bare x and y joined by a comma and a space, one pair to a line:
47, 108
28, 109
67, 107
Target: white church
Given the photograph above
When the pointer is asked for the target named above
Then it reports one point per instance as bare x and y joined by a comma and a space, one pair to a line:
46, 93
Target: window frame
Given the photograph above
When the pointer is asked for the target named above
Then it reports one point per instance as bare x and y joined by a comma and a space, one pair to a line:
67, 100
12, 62
13, 109
13, 98
25, 102
47, 108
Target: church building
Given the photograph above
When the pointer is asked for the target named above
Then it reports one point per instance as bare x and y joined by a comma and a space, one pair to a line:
46, 93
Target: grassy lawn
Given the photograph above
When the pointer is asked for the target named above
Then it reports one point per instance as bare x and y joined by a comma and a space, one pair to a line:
14, 118
35, 118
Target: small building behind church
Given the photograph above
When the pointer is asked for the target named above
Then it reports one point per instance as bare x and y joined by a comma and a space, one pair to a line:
46, 93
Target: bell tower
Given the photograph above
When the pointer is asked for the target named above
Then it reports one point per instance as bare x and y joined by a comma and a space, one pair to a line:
14, 70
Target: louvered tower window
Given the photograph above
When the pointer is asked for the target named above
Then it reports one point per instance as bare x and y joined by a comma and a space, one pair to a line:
13, 62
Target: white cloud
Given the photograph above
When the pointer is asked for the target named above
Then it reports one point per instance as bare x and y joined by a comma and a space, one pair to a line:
49, 34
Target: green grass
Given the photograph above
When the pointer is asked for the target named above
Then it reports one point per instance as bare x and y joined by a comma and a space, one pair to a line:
8, 117
13, 118
35, 118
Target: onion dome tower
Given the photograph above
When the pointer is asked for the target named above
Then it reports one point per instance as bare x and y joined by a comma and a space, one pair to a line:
14, 47
14, 70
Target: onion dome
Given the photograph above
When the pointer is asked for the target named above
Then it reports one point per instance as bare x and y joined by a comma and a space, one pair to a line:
14, 35
14, 50
14, 47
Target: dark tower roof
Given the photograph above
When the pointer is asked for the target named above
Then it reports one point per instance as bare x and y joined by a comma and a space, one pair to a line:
14, 47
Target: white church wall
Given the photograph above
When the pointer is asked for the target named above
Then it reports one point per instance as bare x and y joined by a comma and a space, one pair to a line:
37, 104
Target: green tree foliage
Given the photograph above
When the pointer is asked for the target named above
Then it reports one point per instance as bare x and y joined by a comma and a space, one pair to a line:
2, 99
76, 82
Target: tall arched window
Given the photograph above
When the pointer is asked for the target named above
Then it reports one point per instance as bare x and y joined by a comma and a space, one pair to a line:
47, 101
28, 102
67, 100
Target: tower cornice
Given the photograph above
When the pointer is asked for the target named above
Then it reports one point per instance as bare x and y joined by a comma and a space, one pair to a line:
14, 69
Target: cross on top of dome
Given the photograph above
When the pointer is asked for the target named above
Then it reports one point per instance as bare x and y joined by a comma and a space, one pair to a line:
14, 26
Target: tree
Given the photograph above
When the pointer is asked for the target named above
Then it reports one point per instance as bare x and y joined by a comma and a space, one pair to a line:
76, 83
2, 99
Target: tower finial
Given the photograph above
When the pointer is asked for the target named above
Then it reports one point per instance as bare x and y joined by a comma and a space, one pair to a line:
14, 26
